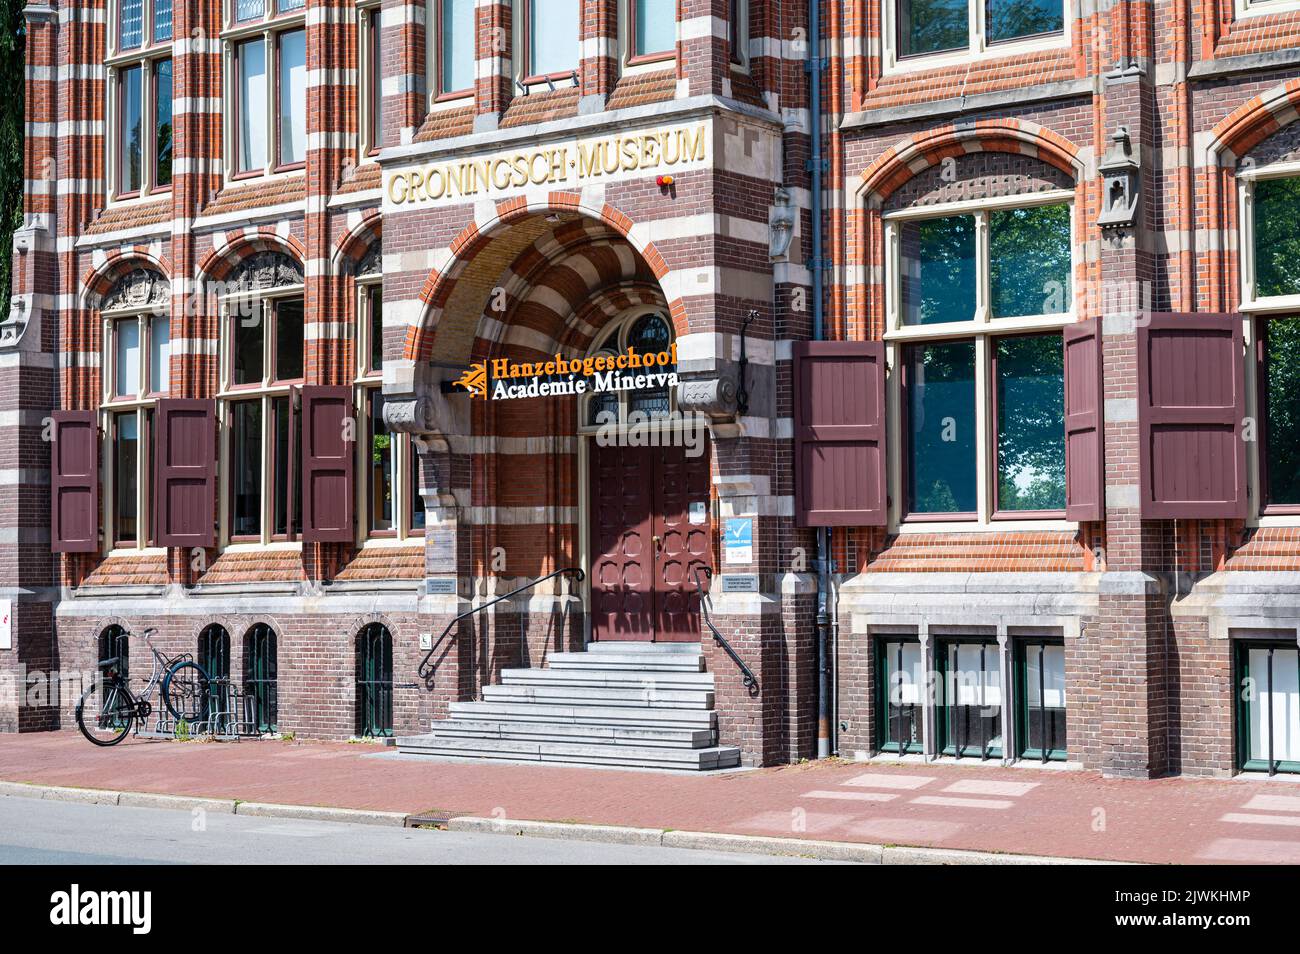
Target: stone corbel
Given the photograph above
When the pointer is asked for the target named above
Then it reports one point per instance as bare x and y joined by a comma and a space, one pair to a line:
24, 309
715, 399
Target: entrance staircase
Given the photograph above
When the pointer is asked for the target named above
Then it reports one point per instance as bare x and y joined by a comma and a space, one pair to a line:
641, 705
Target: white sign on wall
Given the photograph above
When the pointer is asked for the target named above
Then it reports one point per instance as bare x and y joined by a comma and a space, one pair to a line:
6, 624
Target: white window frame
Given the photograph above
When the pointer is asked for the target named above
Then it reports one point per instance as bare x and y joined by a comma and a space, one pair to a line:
978, 45
146, 56
368, 384
141, 403
369, 93
519, 42
267, 390
984, 329
647, 63
435, 98
613, 340
268, 29
1254, 307
1263, 8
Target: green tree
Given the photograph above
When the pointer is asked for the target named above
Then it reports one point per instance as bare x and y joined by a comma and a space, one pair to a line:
12, 51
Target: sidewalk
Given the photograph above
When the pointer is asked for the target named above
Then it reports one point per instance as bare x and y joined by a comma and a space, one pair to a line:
970, 807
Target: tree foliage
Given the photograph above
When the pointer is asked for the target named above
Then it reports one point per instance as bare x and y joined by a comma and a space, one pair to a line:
12, 50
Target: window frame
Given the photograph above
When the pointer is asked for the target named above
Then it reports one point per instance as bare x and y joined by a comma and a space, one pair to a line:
266, 391
268, 29
1020, 676
1242, 9
437, 96
946, 746
978, 46
613, 339
370, 91
367, 385
1241, 709
738, 34
984, 330
1256, 310
147, 57
882, 743
142, 404
628, 32
522, 34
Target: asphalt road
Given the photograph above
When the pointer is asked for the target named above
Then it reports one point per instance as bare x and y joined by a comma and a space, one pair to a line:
34, 832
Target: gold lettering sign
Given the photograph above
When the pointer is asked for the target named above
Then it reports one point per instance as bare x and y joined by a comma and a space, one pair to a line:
571, 164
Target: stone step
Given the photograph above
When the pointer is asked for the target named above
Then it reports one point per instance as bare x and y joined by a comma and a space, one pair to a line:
645, 662
659, 737
604, 678
573, 753
585, 715
601, 696
649, 649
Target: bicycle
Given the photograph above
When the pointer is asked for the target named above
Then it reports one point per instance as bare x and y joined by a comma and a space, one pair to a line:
184, 693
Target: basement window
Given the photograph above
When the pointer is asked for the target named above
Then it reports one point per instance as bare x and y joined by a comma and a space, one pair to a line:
970, 685
1040, 689
1268, 706
900, 695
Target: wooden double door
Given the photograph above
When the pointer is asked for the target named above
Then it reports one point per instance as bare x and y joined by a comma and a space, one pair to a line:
649, 531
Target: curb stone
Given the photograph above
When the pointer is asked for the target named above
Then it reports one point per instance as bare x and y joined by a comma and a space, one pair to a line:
221, 806
754, 844
316, 813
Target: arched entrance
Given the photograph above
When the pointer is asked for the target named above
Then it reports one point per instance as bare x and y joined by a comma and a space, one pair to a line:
613, 478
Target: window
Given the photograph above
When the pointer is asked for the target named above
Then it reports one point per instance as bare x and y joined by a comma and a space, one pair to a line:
1040, 691
551, 38
374, 668
900, 694
115, 643
135, 368
260, 677
266, 50
452, 43
140, 114
642, 334
738, 31
1270, 204
977, 299
1268, 706
652, 30
962, 28
370, 88
970, 683
262, 334
214, 658
390, 504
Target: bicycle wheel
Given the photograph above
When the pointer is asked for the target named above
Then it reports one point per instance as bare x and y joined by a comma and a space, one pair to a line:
105, 719
185, 692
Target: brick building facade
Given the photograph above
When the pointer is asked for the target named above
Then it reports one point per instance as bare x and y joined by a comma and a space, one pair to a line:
268, 246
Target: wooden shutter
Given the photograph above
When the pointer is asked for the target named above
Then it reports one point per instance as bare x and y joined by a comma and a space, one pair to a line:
839, 434
327, 464
1084, 485
1191, 403
74, 482
185, 472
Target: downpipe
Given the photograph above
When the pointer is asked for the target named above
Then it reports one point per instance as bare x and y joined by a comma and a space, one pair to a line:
823, 620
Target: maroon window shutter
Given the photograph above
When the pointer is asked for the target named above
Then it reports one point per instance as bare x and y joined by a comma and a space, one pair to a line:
1191, 403
327, 464
74, 483
1084, 494
185, 472
839, 434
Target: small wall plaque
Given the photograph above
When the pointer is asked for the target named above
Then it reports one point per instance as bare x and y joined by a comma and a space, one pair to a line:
440, 586
740, 583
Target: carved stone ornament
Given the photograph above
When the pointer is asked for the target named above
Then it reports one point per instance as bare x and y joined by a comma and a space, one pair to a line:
138, 288
372, 262
715, 398
1120, 170
410, 416
263, 271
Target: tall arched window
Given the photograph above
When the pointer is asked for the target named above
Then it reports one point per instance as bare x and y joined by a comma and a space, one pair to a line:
135, 373
374, 676
260, 674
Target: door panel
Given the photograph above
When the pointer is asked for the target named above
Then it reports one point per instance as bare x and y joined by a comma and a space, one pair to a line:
645, 547
683, 546
622, 566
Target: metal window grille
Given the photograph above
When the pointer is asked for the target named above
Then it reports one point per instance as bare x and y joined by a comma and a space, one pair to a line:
375, 682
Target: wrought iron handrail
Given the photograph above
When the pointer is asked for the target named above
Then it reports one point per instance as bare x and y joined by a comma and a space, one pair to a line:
747, 677
427, 673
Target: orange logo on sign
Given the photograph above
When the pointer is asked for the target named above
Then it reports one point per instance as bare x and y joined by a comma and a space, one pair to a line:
475, 380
